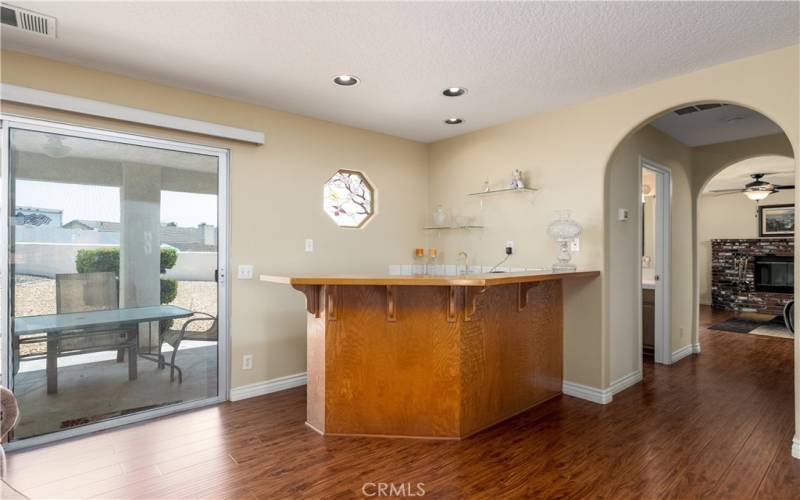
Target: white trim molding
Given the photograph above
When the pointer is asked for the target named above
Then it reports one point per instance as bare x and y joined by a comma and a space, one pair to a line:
589, 393
684, 351
796, 447
42, 98
268, 386
626, 381
601, 396
696, 348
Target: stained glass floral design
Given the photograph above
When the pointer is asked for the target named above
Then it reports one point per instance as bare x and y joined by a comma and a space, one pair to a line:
348, 198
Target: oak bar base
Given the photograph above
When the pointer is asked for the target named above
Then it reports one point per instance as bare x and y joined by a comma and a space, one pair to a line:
430, 361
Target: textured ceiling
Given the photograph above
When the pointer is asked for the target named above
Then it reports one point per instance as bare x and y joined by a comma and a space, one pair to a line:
515, 58
738, 174
711, 126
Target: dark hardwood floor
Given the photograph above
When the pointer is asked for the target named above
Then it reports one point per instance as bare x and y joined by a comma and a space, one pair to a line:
715, 425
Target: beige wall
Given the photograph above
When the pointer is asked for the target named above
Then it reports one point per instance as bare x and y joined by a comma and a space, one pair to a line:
624, 191
566, 152
275, 198
729, 216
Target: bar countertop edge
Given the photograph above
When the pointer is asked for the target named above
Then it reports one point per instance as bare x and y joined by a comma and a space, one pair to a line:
488, 279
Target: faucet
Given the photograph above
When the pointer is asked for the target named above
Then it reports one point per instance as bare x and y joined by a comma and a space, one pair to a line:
466, 261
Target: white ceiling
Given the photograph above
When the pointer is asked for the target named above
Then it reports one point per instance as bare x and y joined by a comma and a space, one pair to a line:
738, 174
712, 126
516, 58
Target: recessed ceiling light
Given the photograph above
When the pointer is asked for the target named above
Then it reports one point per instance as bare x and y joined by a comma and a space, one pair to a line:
454, 91
453, 121
346, 80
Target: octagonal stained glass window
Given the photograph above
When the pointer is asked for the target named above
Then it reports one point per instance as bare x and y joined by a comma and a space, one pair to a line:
348, 199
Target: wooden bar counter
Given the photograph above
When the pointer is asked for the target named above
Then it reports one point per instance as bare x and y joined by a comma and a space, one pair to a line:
438, 357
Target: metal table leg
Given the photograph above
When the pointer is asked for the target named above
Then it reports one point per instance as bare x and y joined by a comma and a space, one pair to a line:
133, 352
52, 362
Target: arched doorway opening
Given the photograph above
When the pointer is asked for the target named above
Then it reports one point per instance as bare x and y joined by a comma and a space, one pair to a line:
694, 142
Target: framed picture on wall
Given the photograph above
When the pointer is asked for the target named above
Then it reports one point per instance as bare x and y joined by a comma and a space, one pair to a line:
776, 220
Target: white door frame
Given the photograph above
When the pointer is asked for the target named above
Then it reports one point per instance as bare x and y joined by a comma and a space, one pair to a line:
8, 122
663, 261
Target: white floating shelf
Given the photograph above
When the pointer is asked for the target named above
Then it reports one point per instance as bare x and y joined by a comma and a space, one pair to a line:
505, 190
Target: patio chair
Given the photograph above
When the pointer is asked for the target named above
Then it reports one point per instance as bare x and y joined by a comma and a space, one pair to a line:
81, 292
9, 415
788, 315
174, 337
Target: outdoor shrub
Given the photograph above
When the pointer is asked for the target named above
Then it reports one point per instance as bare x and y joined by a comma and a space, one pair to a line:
106, 260
169, 256
101, 260
169, 290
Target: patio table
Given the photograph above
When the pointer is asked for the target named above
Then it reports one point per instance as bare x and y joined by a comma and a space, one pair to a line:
57, 326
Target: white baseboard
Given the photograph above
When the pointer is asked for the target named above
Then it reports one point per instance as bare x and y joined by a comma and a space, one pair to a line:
268, 386
683, 352
696, 348
601, 396
796, 447
593, 394
626, 381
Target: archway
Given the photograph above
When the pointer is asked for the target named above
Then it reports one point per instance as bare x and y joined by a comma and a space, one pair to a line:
692, 166
731, 216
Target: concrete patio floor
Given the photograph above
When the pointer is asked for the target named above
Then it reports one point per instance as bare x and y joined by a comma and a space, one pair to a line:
94, 387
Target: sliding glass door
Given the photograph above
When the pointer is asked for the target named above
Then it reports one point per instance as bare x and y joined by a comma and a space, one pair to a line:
114, 292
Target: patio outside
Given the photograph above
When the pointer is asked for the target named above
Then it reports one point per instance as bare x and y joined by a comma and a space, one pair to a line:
94, 386
113, 249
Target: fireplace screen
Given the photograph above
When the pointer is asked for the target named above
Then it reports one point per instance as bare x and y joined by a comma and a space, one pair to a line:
774, 274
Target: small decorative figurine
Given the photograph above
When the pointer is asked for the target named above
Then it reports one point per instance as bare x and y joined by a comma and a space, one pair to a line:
516, 179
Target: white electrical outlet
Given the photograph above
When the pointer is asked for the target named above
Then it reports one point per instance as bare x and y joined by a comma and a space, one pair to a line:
245, 272
309, 246
247, 362
575, 245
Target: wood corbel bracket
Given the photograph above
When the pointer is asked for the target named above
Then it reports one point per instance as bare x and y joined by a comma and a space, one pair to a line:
312, 297
452, 307
331, 302
471, 294
391, 303
522, 293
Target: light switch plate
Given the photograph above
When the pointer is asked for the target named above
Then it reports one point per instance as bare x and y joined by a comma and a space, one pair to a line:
245, 272
575, 245
623, 214
309, 246
247, 362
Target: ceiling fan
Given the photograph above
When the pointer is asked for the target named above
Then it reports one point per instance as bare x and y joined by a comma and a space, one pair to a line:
756, 190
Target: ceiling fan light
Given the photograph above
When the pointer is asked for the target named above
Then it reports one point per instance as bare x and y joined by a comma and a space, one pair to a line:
757, 195
55, 147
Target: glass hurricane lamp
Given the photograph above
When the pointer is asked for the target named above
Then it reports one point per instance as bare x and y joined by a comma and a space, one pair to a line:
564, 229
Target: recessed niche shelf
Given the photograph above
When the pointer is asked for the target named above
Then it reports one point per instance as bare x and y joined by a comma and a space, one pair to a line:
503, 191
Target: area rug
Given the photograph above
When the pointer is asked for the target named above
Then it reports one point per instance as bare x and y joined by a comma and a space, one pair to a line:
756, 324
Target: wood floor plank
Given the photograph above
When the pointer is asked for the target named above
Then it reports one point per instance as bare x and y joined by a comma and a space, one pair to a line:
715, 425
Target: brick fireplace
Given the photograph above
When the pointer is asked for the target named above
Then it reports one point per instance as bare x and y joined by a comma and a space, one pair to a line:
752, 274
